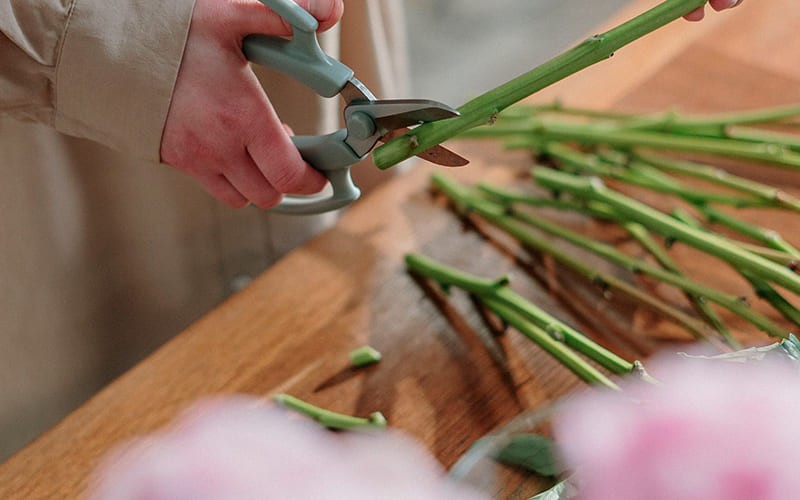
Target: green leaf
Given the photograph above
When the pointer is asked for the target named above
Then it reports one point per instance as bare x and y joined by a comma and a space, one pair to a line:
533, 452
563, 490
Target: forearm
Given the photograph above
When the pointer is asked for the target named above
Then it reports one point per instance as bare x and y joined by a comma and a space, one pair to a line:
102, 70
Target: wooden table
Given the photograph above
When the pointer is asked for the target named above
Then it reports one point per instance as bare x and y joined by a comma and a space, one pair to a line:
291, 329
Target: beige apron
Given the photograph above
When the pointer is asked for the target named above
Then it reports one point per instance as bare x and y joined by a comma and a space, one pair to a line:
103, 257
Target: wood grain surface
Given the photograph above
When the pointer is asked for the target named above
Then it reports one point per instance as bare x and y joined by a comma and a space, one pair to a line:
443, 378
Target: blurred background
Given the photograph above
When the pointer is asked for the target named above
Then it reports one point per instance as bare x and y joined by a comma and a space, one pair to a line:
456, 50
459, 49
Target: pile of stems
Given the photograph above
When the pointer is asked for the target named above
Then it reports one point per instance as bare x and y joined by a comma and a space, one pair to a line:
624, 148
637, 174
533, 132
518, 224
748, 263
645, 238
557, 338
502, 216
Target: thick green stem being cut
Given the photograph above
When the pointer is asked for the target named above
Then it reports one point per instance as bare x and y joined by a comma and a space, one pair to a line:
484, 108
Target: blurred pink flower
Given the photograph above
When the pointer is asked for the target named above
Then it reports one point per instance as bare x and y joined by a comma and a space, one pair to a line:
711, 430
240, 447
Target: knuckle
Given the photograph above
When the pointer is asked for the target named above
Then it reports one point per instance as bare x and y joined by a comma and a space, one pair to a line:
287, 178
267, 200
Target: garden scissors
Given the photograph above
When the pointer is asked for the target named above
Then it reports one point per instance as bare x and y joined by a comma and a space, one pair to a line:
368, 120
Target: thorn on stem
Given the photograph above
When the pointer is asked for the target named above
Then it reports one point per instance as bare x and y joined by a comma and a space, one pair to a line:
555, 333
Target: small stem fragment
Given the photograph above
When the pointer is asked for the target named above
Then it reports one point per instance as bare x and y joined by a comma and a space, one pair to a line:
364, 355
715, 245
328, 418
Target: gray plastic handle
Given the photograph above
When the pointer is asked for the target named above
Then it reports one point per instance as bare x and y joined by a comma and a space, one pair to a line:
303, 59
334, 158
300, 57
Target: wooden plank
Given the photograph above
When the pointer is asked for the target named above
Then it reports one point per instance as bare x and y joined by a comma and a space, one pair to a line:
292, 328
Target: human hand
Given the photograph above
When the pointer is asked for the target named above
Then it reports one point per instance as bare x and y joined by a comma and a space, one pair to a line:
221, 128
698, 14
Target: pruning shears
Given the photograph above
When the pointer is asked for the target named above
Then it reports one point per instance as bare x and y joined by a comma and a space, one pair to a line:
367, 119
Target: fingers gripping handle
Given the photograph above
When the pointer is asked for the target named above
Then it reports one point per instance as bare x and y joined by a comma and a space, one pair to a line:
335, 157
293, 14
301, 56
303, 59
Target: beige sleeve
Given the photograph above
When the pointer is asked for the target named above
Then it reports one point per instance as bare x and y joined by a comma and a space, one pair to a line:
98, 69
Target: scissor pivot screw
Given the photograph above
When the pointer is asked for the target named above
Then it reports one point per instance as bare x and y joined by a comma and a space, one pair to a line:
361, 125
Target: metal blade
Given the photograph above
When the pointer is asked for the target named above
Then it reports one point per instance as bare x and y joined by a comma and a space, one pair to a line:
395, 116
438, 154
392, 114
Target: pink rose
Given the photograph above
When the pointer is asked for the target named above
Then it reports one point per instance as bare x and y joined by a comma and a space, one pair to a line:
244, 448
711, 430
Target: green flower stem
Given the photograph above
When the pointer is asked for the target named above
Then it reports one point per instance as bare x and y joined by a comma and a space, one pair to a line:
762, 288
670, 120
639, 175
644, 237
507, 197
687, 218
769, 237
669, 227
485, 108
778, 302
496, 293
760, 135
759, 115
497, 216
683, 283
777, 256
500, 217
782, 258
552, 130
721, 177
558, 350
328, 418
